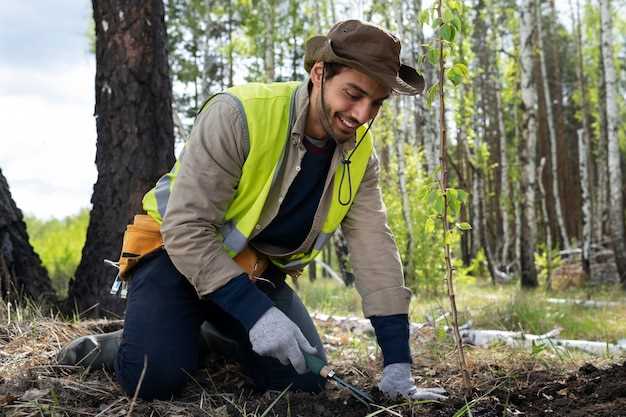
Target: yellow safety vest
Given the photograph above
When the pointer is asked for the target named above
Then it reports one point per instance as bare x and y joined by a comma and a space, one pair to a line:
268, 109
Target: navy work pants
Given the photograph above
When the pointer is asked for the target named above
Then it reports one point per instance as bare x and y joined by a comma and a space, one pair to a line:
162, 325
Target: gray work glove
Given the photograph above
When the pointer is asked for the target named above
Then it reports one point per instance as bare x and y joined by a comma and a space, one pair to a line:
275, 335
397, 381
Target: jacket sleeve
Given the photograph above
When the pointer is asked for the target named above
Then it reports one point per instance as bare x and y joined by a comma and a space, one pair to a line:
373, 252
210, 168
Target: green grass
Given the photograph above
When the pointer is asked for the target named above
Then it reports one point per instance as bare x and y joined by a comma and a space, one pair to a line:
499, 308
329, 296
59, 244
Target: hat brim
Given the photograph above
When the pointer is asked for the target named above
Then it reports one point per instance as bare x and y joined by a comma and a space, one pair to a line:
407, 82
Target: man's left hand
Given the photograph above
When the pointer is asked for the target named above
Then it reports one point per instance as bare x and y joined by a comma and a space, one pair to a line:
397, 382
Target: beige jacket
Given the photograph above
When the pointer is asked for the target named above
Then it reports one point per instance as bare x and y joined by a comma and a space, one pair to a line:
210, 170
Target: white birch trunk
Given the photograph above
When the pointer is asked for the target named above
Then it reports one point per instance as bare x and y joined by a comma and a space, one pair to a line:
592, 228
268, 33
551, 130
583, 158
602, 163
529, 150
616, 206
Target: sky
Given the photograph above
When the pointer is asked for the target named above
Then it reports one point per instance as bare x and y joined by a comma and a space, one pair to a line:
47, 128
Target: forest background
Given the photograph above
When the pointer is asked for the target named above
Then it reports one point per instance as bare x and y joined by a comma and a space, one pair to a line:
524, 231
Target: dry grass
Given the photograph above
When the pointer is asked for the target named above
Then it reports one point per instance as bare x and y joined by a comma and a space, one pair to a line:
32, 385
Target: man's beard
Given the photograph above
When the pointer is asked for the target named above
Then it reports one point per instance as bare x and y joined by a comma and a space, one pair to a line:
327, 120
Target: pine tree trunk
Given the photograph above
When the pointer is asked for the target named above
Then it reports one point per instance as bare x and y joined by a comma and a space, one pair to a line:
529, 147
135, 138
616, 206
21, 274
552, 131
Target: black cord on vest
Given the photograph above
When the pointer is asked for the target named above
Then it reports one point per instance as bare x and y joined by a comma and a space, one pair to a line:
345, 161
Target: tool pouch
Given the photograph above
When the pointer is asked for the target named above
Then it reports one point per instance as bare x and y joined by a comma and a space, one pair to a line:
252, 262
141, 238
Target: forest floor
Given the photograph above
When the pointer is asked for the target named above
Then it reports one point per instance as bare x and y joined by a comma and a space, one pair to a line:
506, 382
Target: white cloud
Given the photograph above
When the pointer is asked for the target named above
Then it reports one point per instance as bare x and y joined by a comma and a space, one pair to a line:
48, 143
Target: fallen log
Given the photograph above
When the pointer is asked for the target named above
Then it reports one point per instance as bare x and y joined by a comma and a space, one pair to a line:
525, 340
586, 303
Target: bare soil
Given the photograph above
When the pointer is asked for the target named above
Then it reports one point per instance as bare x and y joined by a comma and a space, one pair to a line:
502, 387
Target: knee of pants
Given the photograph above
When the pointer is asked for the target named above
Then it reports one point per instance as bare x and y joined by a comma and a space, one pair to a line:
162, 379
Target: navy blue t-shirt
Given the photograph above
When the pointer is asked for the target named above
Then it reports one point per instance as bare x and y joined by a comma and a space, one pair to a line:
295, 216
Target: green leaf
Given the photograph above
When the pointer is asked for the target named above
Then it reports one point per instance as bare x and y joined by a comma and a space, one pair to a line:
457, 23
424, 17
452, 237
454, 5
455, 206
431, 93
462, 69
448, 32
464, 226
462, 195
454, 76
438, 204
433, 56
429, 225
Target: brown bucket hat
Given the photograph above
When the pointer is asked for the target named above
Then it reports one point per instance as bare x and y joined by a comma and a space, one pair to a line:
366, 48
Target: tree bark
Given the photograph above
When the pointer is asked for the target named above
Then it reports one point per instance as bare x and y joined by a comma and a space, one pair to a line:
135, 143
21, 274
589, 219
268, 34
545, 222
583, 155
343, 255
602, 174
529, 146
552, 131
616, 206
401, 127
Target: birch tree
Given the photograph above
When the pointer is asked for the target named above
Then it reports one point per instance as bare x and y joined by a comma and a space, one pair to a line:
529, 146
616, 206
551, 129
583, 155
589, 222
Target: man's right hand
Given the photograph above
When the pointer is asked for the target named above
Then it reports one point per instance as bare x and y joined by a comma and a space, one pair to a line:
275, 335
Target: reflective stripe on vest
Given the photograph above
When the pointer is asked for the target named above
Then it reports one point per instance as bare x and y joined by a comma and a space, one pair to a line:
269, 116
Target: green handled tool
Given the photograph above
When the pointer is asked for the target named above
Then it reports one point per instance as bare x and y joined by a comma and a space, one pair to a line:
319, 367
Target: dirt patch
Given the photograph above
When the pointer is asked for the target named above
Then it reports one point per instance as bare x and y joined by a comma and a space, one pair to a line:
221, 390
505, 384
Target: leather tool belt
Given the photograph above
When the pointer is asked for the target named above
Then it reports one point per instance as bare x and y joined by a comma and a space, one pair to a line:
143, 237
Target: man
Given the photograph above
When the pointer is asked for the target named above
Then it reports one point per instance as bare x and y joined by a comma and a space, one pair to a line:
270, 171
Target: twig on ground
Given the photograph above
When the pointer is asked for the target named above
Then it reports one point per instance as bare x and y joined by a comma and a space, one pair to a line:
143, 373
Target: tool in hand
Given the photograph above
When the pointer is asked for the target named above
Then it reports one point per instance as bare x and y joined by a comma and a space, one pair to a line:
319, 367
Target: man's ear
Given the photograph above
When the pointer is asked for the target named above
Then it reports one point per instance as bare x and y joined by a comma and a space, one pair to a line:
316, 73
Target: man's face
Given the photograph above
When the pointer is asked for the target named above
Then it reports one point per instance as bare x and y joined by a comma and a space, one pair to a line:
351, 98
